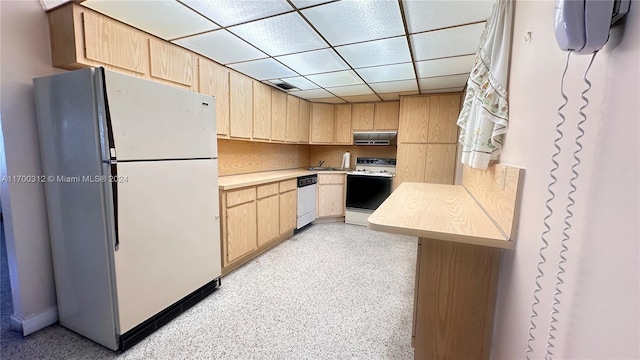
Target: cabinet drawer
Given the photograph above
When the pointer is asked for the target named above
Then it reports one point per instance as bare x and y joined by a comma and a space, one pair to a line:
237, 197
331, 179
267, 190
288, 185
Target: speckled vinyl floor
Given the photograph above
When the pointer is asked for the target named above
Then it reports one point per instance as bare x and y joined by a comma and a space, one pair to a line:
333, 291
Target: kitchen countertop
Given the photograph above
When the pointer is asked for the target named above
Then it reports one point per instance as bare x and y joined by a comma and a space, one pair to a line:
440, 212
237, 181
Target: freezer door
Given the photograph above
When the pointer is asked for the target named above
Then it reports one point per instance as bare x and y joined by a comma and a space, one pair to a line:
169, 234
156, 121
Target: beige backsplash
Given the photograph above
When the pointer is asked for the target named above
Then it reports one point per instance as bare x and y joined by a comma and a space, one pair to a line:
241, 157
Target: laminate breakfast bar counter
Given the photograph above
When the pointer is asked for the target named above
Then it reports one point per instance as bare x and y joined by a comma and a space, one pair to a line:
462, 231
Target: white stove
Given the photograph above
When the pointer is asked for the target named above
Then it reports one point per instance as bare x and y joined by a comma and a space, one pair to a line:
367, 187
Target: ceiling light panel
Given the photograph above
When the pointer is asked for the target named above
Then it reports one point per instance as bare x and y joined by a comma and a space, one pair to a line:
361, 98
463, 40
231, 12
395, 86
350, 90
340, 78
263, 69
420, 13
346, 22
221, 46
300, 4
301, 83
280, 35
312, 94
314, 62
387, 73
379, 52
446, 66
166, 19
443, 82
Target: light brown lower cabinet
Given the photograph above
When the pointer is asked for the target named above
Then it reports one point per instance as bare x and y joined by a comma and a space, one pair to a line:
254, 219
331, 195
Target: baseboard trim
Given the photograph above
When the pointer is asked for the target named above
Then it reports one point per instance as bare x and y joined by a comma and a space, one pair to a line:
34, 322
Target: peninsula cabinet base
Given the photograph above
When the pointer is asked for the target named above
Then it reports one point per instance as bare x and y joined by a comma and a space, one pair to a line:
456, 289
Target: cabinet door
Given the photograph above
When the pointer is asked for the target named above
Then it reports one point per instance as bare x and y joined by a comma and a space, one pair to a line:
331, 201
362, 116
171, 62
111, 42
214, 81
386, 117
303, 124
321, 124
288, 204
278, 115
443, 114
268, 219
241, 230
293, 117
343, 134
440, 163
261, 111
411, 163
241, 98
414, 119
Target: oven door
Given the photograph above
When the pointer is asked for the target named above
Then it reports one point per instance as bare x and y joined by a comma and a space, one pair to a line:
366, 192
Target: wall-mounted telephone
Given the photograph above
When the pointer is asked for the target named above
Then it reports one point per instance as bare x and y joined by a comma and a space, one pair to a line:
583, 26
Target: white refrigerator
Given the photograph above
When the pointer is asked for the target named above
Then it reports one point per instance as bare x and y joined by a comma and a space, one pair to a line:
131, 181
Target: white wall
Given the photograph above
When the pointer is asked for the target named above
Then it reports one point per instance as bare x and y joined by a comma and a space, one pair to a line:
25, 54
599, 311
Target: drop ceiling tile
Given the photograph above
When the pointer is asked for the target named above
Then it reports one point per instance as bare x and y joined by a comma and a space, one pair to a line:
361, 98
312, 94
280, 35
314, 62
443, 82
340, 78
396, 96
379, 52
346, 22
395, 86
445, 90
387, 73
301, 83
350, 90
166, 19
331, 100
300, 4
221, 46
263, 69
231, 12
463, 40
418, 13
446, 66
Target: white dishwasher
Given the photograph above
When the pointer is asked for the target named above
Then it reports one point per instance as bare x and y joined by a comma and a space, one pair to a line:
307, 188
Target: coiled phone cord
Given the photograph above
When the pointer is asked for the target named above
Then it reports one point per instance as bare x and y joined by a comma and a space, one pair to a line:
547, 227
569, 215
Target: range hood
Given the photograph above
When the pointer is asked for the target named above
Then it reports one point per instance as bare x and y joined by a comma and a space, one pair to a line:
373, 137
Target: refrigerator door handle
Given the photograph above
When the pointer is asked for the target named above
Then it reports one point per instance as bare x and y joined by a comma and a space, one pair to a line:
114, 192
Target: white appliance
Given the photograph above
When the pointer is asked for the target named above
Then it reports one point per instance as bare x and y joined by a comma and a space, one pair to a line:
131, 180
307, 189
368, 186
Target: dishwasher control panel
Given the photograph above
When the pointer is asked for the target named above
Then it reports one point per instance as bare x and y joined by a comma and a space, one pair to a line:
307, 180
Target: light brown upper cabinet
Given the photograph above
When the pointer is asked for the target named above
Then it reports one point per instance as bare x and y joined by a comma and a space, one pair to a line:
214, 81
293, 117
443, 113
171, 62
386, 115
261, 111
322, 125
362, 116
241, 99
303, 124
278, 115
414, 123
343, 133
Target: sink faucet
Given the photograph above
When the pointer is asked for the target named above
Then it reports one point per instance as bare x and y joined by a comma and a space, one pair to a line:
320, 163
